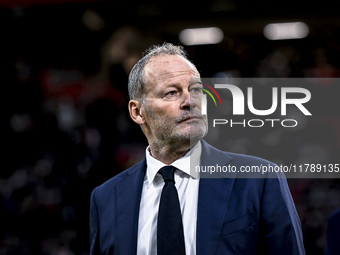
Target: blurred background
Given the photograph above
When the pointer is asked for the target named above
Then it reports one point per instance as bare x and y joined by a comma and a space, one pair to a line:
64, 66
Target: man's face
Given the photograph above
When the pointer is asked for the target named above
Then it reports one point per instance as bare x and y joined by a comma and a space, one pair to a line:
173, 101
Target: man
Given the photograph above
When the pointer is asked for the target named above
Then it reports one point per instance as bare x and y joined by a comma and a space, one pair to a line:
217, 215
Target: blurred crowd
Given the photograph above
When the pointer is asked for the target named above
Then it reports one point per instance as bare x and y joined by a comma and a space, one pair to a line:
67, 130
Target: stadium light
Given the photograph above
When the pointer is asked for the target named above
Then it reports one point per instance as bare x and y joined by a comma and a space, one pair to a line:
197, 36
284, 31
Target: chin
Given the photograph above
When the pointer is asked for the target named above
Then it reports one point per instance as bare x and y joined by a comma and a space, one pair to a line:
198, 131
198, 135
195, 134
183, 134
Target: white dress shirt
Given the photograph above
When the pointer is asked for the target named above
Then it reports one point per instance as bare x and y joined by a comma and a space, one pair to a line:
187, 186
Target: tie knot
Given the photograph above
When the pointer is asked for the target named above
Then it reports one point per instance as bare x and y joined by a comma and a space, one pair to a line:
167, 173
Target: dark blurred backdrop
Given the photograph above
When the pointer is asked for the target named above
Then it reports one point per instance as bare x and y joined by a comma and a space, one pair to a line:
64, 68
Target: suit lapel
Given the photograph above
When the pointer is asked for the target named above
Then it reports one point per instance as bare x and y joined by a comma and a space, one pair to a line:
128, 196
213, 199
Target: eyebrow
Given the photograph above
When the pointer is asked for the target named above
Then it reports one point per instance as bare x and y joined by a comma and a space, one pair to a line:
194, 81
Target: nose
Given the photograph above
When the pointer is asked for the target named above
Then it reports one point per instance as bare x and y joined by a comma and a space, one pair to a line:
188, 101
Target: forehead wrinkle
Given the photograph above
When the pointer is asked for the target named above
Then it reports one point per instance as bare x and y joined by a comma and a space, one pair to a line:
154, 75
172, 75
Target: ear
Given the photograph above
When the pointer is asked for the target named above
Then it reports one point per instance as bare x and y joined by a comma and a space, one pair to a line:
136, 112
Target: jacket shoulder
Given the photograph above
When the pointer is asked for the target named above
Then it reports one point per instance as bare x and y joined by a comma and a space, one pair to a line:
249, 159
215, 155
112, 182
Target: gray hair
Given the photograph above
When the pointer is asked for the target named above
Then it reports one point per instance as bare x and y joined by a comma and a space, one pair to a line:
136, 77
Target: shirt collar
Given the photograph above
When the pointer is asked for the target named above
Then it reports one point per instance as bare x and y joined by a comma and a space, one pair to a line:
191, 158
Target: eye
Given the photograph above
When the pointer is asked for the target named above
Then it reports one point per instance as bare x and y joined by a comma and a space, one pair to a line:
171, 94
196, 91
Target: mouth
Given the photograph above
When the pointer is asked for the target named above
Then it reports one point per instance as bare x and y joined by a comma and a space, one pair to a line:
191, 118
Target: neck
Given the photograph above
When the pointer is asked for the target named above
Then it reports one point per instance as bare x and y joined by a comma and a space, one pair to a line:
170, 153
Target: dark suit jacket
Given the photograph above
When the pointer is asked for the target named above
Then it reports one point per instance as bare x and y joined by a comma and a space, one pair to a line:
235, 215
333, 234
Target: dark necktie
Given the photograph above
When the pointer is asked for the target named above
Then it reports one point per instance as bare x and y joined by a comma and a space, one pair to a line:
170, 237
